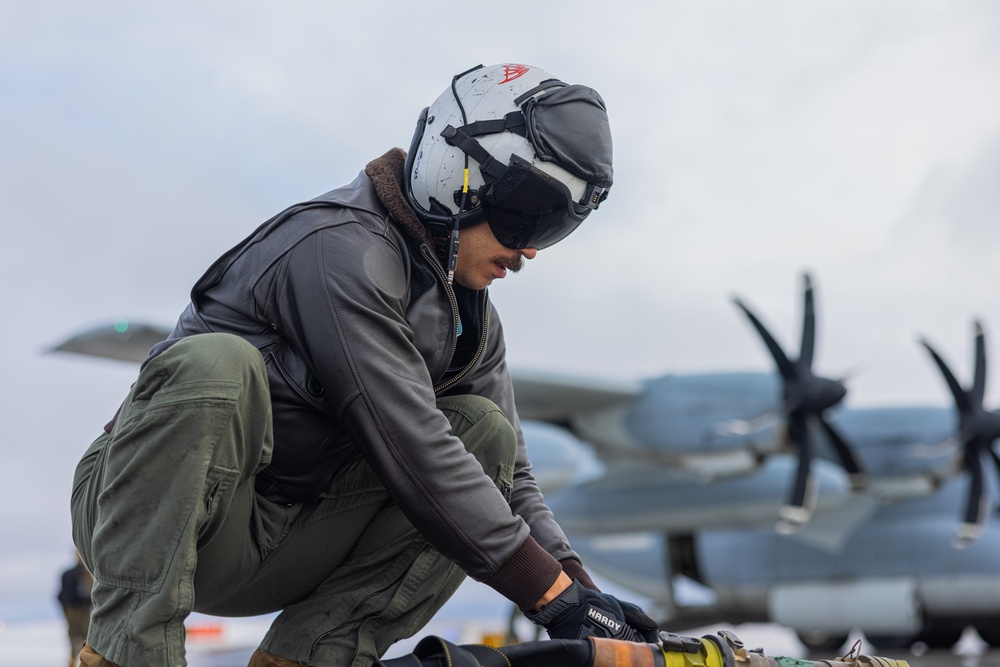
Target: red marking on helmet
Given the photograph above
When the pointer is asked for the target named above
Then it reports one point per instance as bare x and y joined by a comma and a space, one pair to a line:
511, 72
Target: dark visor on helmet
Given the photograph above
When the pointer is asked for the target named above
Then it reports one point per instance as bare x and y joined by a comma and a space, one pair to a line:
527, 208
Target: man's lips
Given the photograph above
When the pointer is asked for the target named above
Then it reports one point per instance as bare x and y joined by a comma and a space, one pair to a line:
504, 264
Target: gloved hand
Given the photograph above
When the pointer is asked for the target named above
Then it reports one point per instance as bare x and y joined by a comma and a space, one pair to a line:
579, 612
640, 621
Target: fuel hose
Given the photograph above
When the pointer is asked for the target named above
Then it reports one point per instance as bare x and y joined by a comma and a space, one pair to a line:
723, 649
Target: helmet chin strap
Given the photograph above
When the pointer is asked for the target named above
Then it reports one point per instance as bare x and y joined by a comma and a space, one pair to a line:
439, 219
453, 253
453, 241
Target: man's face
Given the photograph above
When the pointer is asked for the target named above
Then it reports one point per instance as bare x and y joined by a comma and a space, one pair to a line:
481, 258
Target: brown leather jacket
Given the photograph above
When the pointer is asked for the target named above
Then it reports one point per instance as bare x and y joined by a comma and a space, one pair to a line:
348, 304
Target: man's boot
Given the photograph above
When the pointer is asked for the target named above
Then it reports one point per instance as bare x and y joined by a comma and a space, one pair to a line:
91, 658
261, 658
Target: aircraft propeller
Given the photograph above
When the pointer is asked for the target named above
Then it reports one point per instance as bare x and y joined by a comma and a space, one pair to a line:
978, 428
805, 398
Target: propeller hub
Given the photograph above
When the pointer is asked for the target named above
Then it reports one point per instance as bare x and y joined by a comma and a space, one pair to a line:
814, 395
984, 426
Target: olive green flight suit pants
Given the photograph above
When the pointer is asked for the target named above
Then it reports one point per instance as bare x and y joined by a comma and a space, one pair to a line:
166, 517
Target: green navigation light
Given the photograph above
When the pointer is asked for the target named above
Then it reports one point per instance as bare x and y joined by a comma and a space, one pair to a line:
121, 325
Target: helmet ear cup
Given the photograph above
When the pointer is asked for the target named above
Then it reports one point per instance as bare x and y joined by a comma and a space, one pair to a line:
431, 212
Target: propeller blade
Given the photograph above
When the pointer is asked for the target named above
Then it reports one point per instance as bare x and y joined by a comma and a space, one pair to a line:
785, 366
974, 516
996, 461
846, 455
808, 324
966, 534
961, 399
975, 502
979, 380
977, 430
798, 430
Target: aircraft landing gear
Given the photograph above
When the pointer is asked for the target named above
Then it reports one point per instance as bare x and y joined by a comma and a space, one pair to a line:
886, 642
939, 635
821, 642
990, 633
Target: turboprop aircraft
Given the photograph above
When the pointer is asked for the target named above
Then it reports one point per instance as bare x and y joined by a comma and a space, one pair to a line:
774, 504
734, 497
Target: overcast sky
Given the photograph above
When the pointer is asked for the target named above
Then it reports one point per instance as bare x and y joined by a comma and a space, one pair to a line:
858, 140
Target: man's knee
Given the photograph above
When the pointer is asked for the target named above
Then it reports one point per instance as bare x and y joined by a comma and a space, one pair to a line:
216, 355
486, 433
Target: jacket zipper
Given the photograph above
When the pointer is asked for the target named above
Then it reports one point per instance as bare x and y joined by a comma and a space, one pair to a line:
475, 358
454, 309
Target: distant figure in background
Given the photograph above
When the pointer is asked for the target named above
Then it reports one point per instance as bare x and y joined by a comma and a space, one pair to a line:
74, 596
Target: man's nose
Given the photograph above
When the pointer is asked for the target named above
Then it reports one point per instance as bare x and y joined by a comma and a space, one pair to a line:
529, 253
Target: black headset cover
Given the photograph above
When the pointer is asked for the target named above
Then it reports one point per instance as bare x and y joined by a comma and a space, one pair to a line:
569, 126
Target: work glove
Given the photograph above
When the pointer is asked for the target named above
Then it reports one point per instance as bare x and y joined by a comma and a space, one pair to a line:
634, 616
640, 621
579, 612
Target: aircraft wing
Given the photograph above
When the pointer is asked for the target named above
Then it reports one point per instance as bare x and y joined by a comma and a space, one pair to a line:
555, 398
540, 396
122, 340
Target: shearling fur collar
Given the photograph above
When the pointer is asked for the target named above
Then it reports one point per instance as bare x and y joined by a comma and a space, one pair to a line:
386, 173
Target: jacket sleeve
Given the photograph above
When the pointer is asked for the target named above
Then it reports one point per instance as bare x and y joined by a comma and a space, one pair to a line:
349, 289
491, 379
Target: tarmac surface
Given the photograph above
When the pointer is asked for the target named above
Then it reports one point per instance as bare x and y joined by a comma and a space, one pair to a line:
939, 658
929, 659
44, 645
969, 652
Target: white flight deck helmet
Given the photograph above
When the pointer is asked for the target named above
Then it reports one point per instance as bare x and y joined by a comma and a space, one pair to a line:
536, 150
